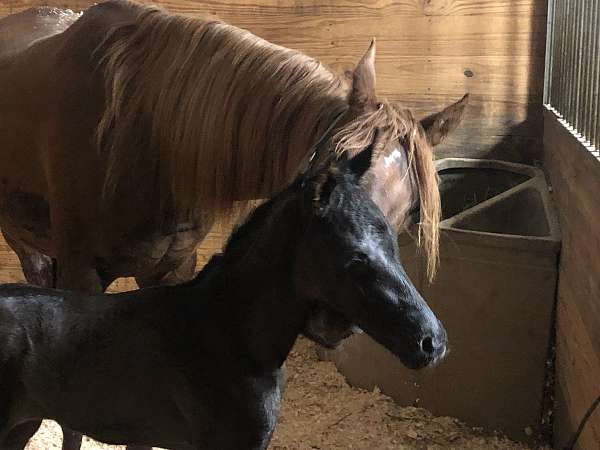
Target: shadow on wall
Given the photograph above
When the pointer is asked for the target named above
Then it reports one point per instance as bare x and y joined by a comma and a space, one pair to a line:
517, 145
504, 120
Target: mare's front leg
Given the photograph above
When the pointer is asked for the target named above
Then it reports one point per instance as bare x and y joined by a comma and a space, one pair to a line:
38, 268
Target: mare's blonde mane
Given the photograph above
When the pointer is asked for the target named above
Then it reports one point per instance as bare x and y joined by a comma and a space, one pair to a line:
214, 114
217, 113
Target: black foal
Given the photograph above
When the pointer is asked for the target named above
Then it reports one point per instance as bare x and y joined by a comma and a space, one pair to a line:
199, 365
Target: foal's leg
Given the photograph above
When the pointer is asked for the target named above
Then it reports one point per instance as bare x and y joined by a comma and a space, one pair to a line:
19, 436
71, 439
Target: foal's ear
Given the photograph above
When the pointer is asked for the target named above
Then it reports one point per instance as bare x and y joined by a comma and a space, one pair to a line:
363, 80
323, 186
441, 124
361, 162
325, 183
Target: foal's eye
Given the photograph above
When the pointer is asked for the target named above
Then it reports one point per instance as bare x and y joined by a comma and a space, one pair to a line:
359, 263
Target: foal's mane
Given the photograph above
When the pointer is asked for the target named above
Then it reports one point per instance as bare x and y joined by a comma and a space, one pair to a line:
257, 225
389, 122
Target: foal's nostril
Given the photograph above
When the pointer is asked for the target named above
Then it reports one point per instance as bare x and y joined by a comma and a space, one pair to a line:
427, 345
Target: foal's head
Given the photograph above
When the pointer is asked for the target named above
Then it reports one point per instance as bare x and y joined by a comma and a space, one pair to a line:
398, 175
347, 266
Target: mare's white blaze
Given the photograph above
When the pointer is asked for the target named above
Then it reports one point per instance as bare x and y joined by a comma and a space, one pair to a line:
393, 158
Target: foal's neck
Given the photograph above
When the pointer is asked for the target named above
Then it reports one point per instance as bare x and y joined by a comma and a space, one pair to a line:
255, 275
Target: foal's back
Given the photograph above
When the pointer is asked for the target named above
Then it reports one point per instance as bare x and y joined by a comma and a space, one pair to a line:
62, 353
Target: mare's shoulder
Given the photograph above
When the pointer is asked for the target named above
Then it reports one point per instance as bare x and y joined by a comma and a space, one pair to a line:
95, 25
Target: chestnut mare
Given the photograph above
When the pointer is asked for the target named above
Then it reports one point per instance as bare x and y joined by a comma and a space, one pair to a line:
126, 132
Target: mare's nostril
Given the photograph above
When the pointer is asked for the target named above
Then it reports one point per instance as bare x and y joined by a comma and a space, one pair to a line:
427, 345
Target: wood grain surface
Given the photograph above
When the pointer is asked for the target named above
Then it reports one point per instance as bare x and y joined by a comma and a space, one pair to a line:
575, 177
429, 53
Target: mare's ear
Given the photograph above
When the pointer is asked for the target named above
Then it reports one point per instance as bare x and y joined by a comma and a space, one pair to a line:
363, 81
441, 124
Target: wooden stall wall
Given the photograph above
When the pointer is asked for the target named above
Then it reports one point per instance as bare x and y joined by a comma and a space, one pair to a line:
575, 177
429, 53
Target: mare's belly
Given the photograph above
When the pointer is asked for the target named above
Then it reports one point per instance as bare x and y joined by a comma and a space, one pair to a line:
25, 217
152, 255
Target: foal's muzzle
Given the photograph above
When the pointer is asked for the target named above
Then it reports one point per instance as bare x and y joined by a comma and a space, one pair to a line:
431, 348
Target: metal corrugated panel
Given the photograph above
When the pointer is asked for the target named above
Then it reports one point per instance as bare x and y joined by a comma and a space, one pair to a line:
572, 84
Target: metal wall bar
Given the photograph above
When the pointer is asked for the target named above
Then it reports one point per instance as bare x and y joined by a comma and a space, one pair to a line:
551, 55
572, 75
596, 83
585, 92
579, 64
563, 55
557, 53
571, 64
593, 64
